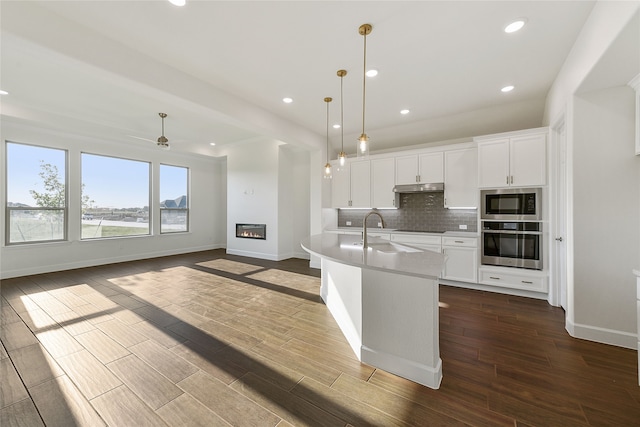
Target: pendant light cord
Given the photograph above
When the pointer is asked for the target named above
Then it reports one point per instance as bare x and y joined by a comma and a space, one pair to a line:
364, 78
327, 128
341, 117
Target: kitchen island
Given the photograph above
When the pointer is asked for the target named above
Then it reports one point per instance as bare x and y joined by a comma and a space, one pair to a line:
385, 300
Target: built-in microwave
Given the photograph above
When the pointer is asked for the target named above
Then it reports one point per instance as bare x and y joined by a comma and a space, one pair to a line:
511, 204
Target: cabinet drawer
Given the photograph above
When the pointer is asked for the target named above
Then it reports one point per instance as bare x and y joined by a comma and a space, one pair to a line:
460, 241
514, 280
414, 238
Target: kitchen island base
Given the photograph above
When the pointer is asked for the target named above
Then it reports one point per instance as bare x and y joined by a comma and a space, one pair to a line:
390, 319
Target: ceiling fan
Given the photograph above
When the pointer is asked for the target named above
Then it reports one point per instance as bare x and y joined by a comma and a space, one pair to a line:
162, 140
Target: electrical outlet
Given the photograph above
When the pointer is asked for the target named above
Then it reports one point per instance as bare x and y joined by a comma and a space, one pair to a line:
379, 225
463, 226
348, 222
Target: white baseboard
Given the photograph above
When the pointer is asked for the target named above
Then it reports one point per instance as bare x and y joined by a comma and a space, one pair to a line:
270, 257
602, 335
41, 269
429, 376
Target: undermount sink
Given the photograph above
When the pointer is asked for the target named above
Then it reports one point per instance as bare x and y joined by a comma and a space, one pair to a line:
389, 247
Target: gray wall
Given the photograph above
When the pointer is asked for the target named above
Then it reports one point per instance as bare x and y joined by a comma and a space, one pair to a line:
606, 189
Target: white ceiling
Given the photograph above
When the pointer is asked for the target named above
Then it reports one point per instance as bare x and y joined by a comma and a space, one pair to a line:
220, 69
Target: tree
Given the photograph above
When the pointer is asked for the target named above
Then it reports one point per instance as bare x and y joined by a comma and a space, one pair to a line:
53, 195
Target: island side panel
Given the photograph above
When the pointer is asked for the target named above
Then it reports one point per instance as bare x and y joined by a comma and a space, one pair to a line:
341, 291
400, 326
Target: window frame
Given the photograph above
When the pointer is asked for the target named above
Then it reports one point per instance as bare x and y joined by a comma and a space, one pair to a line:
9, 209
186, 209
149, 195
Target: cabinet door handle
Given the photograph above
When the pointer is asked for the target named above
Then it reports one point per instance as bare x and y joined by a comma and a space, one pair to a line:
527, 282
458, 241
512, 179
417, 178
507, 179
494, 278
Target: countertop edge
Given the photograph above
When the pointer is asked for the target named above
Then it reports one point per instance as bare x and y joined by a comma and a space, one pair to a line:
307, 246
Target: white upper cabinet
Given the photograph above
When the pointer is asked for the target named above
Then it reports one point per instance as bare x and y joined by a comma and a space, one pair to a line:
341, 186
420, 168
360, 184
513, 161
461, 178
382, 182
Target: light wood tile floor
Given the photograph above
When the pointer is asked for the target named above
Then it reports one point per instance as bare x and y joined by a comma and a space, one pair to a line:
207, 339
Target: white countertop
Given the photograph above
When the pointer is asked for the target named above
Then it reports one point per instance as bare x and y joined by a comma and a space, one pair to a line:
395, 231
382, 255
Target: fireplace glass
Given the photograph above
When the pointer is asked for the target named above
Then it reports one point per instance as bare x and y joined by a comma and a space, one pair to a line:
251, 231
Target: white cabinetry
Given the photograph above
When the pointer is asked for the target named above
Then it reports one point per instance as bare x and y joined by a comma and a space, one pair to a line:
461, 178
382, 182
341, 186
515, 278
513, 160
351, 185
462, 258
360, 184
423, 241
420, 168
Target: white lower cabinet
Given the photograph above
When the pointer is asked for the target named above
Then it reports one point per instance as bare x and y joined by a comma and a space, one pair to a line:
528, 280
462, 258
423, 241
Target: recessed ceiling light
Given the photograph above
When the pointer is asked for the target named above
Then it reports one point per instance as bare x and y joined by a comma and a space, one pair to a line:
178, 2
372, 73
507, 88
404, 111
336, 126
212, 144
515, 26
287, 100
3, 92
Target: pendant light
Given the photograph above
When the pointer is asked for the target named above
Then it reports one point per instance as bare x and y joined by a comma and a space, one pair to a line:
363, 141
342, 157
163, 142
327, 167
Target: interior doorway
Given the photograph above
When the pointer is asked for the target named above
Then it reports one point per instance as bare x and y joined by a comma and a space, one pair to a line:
558, 231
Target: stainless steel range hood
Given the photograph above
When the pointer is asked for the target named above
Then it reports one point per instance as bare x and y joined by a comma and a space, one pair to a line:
419, 188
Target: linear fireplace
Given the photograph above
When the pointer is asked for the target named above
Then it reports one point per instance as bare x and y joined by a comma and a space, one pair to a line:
251, 231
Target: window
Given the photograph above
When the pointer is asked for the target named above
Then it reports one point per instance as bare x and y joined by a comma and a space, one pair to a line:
115, 197
36, 194
174, 201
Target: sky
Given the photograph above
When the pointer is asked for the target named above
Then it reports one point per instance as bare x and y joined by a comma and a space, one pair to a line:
111, 182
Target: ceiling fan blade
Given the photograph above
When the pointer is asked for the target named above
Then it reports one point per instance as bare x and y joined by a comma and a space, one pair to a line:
143, 139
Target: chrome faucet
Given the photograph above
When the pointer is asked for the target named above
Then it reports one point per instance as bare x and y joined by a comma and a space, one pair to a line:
364, 227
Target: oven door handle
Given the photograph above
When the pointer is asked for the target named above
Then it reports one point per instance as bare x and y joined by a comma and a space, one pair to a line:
534, 233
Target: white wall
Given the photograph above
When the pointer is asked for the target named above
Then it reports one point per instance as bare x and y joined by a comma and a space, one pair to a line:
20, 260
606, 188
300, 203
268, 183
606, 21
603, 227
252, 196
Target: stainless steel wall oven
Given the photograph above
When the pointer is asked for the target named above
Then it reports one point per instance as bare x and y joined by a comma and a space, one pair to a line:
512, 244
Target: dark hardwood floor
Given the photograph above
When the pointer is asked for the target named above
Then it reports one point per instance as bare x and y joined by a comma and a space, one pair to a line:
207, 339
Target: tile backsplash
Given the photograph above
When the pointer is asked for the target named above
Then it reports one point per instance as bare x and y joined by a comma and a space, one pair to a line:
417, 212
